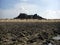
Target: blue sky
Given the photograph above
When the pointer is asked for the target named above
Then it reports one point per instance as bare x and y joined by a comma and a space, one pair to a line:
49, 9
6, 4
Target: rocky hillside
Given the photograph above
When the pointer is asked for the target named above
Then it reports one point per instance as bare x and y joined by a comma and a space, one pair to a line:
29, 33
25, 16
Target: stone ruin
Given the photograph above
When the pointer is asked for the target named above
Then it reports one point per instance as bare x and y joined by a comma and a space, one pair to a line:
25, 16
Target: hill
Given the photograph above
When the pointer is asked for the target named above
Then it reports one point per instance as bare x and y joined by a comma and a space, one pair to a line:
25, 16
29, 32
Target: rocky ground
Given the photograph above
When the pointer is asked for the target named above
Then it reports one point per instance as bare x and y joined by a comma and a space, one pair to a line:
29, 33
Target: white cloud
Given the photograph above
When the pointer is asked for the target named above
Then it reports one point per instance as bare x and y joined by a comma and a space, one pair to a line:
8, 13
24, 0
52, 14
29, 9
20, 8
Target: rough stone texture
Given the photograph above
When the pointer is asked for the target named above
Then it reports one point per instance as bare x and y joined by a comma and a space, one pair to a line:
29, 33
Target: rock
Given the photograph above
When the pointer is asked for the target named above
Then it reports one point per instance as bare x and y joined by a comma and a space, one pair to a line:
25, 16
